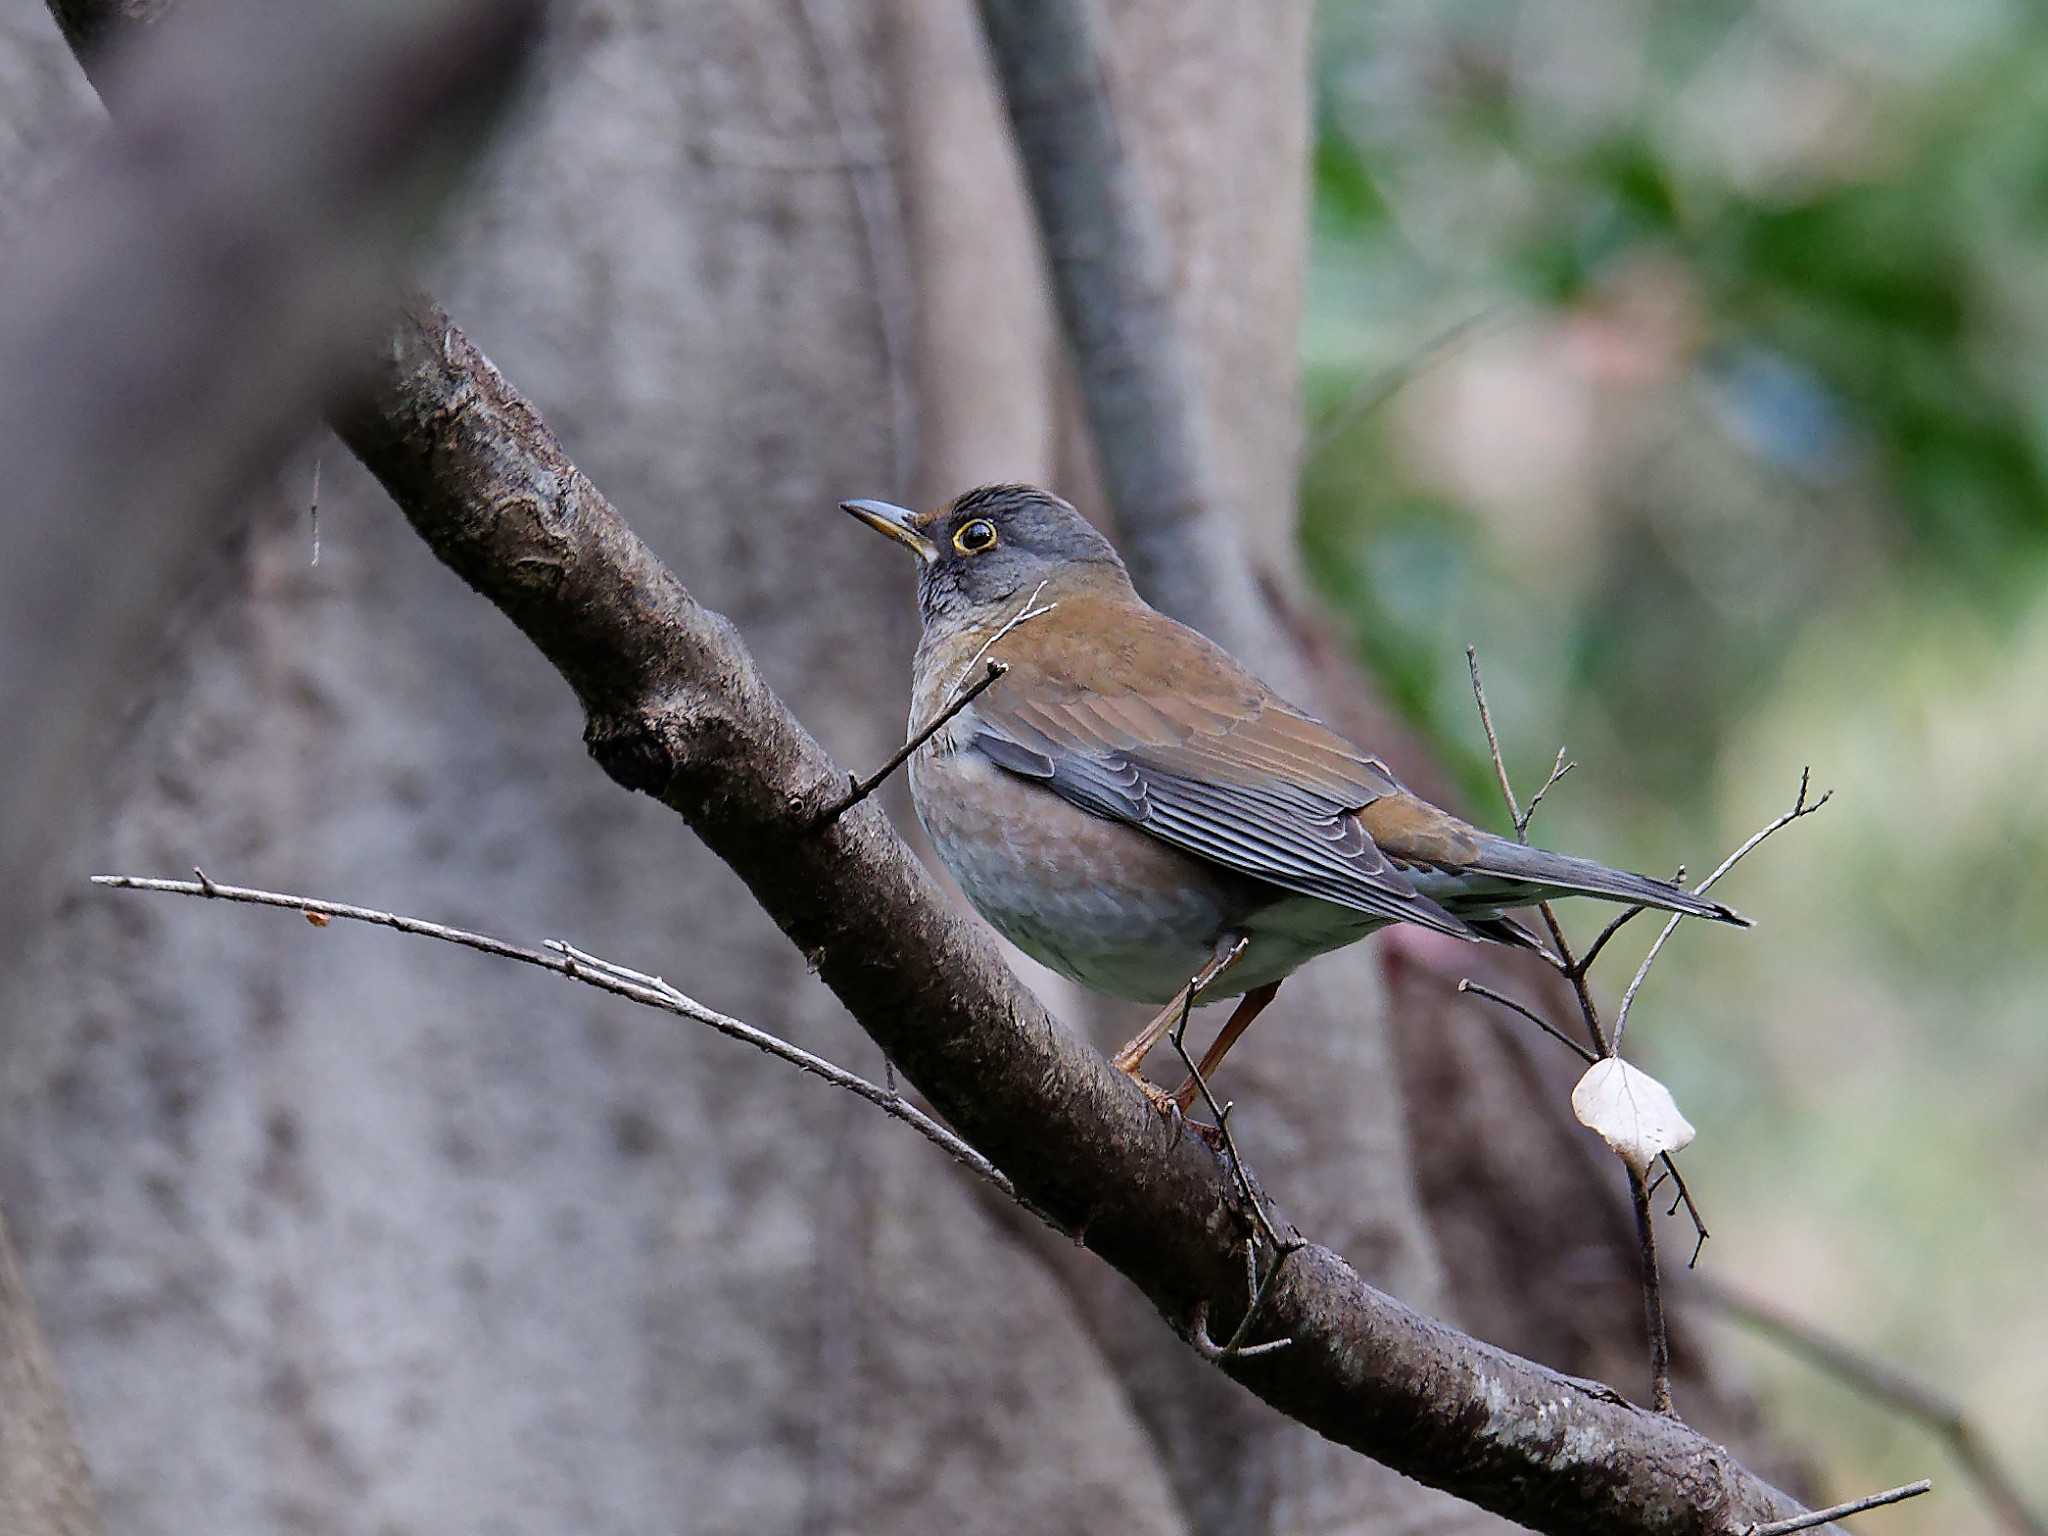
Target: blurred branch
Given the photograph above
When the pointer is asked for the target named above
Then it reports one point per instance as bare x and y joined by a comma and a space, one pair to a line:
850, 99
1112, 279
1376, 388
1886, 1384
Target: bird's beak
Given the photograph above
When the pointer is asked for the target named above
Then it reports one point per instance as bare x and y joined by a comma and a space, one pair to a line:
900, 523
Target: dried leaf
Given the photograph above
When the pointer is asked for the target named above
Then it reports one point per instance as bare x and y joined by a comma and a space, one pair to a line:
1631, 1111
318, 919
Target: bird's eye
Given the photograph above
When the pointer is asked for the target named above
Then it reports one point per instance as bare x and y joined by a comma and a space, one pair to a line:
975, 537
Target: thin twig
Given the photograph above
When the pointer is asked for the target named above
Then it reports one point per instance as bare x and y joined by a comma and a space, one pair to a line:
1574, 971
859, 789
1584, 963
1653, 1296
1500, 768
606, 976
1558, 770
1198, 1330
1571, 969
1840, 1511
1023, 615
1550, 1029
1799, 808
1887, 1384
1684, 1198
313, 512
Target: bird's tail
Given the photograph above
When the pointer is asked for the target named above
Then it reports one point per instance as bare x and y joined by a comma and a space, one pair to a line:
1540, 875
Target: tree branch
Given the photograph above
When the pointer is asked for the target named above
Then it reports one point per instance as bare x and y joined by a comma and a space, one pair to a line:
1793, 1523
675, 708
1112, 280
566, 960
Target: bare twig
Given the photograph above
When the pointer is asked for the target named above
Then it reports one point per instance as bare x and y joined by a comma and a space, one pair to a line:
1887, 1384
1840, 1511
1584, 963
313, 513
607, 976
1570, 968
1558, 770
1684, 1198
1500, 767
1653, 1296
1219, 1354
1550, 1029
1574, 971
1283, 1248
859, 789
1799, 808
1029, 611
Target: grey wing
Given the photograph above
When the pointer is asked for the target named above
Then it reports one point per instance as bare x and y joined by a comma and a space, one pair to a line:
1275, 830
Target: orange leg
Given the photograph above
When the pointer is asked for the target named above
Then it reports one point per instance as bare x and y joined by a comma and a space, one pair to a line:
1132, 1057
1249, 1007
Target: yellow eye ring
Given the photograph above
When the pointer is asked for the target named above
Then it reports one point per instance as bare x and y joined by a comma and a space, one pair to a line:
976, 537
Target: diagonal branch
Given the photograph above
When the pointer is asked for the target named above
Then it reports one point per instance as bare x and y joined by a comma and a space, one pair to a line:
675, 708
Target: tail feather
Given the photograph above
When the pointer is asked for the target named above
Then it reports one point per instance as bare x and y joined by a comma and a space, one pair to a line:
1559, 874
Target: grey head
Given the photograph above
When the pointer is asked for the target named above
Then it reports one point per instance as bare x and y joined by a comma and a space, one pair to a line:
991, 545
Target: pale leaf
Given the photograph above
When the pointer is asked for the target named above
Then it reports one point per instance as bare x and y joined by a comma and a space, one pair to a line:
1631, 1111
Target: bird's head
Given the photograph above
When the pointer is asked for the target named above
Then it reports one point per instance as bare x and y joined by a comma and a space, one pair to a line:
984, 549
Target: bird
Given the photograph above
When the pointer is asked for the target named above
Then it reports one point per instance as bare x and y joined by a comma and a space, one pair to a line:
1130, 806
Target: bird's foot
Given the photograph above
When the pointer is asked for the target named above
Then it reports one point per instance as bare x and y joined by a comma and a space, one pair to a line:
1174, 1106
1159, 1098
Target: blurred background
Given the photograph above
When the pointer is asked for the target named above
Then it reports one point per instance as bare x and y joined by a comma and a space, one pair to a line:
1689, 361
1681, 357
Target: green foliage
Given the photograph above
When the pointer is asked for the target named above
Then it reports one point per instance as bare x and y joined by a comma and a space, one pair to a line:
1692, 361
